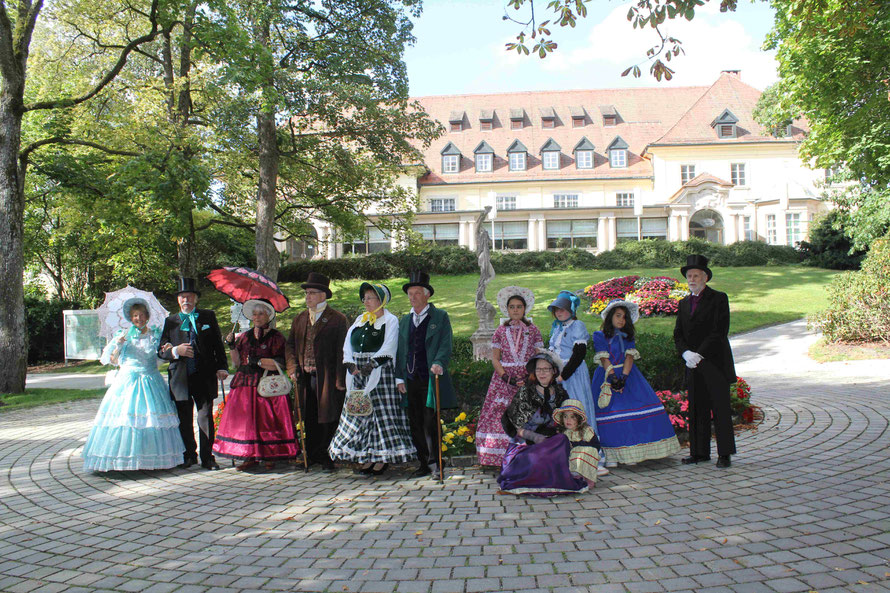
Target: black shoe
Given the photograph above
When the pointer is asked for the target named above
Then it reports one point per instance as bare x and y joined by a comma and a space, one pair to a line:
328, 465
211, 464
724, 461
421, 472
380, 470
365, 471
693, 459
188, 462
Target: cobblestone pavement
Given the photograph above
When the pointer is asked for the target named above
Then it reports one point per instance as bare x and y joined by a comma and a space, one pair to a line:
805, 507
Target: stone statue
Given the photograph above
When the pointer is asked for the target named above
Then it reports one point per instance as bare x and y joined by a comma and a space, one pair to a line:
481, 338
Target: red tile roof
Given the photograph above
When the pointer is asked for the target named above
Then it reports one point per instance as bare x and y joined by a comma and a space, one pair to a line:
669, 115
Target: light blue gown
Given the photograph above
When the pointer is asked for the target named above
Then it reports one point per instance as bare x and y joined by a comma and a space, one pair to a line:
562, 339
136, 427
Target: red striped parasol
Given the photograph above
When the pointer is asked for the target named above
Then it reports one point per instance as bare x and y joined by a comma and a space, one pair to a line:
243, 284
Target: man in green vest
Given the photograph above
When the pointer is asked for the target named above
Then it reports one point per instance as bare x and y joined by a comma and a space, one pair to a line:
424, 352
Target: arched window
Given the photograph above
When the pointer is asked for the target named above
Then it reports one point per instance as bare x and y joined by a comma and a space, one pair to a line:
707, 225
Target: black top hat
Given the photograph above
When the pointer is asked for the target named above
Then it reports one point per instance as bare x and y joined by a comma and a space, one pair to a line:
187, 285
696, 262
418, 278
319, 282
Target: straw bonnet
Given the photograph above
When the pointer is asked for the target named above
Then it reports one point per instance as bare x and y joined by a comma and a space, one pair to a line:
569, 405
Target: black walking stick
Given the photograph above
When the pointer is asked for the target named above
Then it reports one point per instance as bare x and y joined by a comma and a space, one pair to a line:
439, 432
298, 423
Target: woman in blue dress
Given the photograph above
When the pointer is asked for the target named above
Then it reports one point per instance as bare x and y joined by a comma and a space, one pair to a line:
136, 427
568, 341
633, 426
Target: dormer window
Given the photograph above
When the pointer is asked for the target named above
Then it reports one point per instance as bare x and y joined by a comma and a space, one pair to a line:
484, 157
726, 124
579, 117
486, 119
517, 154
584, 154
618, 153
456, 120
517, 119
610, 115
550, 154
450, 159
548, 117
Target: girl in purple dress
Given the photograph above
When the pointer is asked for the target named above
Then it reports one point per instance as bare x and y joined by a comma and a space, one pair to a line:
537, 460
512, 345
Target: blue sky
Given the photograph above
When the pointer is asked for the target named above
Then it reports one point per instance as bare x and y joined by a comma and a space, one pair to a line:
460, 49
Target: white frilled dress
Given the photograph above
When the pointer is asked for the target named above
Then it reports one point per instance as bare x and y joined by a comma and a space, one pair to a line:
563, 338
384, 436
136, 427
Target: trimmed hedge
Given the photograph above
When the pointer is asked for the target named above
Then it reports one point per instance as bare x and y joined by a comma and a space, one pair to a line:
460, 260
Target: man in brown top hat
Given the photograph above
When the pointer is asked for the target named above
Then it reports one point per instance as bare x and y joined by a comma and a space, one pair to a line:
314, 355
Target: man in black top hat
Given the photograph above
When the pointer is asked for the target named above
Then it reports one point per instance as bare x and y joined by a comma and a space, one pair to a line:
314, 355
425, 341
197, 360
701, 335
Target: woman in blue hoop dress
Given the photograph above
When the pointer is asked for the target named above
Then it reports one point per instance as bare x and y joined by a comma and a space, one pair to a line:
136, 427
633, 426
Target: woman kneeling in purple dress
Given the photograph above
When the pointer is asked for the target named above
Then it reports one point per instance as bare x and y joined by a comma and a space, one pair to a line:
537, 459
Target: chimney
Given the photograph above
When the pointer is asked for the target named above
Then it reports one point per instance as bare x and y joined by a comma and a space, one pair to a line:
736, 73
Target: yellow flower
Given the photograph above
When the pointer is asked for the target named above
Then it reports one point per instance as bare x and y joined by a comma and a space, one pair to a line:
444, 449
461, 417
463, 430
450, 435
470, 439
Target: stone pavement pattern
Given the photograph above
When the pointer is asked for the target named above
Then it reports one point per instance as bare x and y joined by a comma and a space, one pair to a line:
805, 507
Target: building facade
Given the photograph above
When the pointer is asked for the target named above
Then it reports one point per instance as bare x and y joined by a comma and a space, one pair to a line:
594, 168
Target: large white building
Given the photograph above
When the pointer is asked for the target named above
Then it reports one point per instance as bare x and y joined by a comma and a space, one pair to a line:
593, 168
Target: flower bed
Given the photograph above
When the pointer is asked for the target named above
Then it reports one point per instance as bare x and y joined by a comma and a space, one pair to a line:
676, 403
659, 295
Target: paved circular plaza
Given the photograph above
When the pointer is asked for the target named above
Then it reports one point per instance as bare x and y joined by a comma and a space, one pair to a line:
805, 507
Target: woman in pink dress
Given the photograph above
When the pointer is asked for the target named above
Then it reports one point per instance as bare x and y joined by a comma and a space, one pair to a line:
512, 345
255, 428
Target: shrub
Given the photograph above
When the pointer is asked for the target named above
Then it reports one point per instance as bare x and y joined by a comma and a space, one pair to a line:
45, 327
829, 247
859, 302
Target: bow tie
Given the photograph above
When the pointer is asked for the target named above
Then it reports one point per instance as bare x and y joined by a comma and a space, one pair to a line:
134, 332
189, 321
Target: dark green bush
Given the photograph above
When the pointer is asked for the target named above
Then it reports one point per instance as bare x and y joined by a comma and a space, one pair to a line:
829, 247
45, 327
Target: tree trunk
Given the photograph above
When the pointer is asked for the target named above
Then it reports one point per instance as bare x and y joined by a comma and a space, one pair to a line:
13, 333
185, 251
268, 260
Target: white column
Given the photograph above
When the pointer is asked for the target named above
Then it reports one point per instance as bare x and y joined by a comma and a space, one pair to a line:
673, 227
532, 235
684, 227
602, 234
731, 229
613, 233
471, 234
542, 234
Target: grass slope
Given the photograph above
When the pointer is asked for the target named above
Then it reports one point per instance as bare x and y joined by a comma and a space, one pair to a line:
39, 397
757, 296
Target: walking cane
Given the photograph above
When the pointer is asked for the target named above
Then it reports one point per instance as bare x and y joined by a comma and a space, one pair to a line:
439, 431
298, 422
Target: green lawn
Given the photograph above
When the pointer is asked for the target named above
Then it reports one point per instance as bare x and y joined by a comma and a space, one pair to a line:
757, 296
39, 397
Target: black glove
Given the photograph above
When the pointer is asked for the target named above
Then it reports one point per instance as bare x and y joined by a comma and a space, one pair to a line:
254, 361
366, 369
617, 382
350, 366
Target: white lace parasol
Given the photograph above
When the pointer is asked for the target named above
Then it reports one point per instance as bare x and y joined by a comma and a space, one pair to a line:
111, 314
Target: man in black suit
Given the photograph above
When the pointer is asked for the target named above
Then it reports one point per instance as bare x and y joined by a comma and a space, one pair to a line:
197, 360
702, 339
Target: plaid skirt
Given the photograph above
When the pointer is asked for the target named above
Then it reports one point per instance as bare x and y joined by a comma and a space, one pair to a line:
382, 437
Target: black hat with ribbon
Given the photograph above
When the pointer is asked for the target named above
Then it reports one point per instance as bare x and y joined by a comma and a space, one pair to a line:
187, 285
418, 278
318, 282
696, 262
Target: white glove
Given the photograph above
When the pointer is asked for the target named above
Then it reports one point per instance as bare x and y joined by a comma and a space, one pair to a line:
692, 358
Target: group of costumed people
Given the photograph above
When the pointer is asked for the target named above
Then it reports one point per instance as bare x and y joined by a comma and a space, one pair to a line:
366, 389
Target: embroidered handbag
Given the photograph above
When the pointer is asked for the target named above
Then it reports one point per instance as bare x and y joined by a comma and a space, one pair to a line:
274, 385
358, 403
